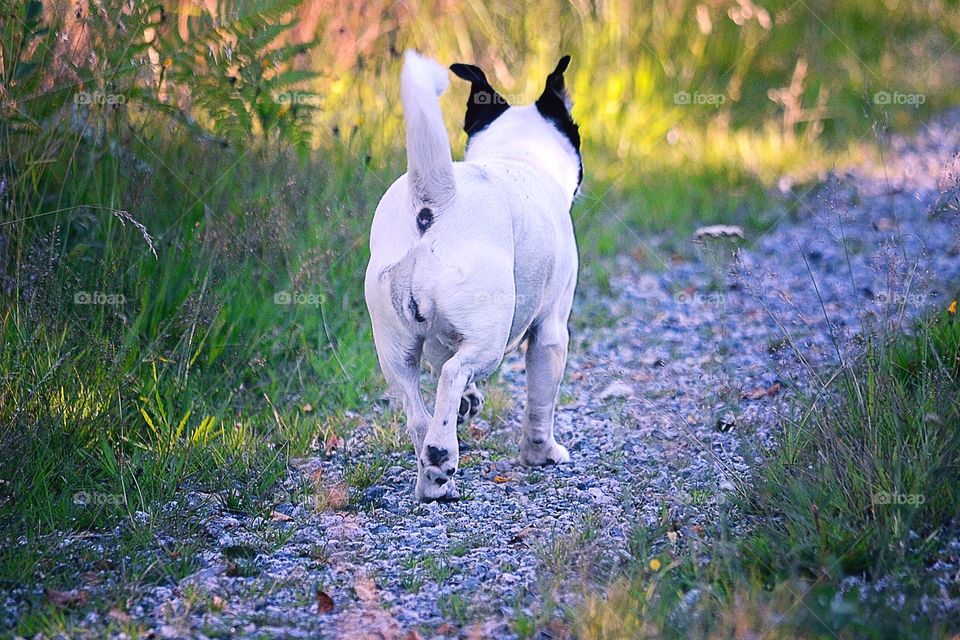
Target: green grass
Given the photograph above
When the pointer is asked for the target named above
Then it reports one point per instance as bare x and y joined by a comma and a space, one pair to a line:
862, 485
195, 219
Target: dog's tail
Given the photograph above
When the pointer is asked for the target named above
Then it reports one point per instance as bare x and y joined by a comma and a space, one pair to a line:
429, 163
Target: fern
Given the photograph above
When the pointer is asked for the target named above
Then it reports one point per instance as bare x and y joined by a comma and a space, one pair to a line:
240, 72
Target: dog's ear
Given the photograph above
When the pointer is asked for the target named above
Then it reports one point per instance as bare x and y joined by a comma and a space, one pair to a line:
555, 91
484, 104
554, 104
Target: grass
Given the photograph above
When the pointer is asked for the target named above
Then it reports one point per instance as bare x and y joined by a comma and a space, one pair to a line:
180, 291
862, 487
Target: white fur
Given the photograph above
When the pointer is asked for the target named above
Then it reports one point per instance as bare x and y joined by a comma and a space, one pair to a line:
498, 265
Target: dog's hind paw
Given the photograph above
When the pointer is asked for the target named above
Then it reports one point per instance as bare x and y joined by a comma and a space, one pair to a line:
544, 453
471, 402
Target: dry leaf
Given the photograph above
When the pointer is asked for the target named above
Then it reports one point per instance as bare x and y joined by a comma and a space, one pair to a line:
118, 615
757, 394
500, 479
67, 598
365, 588
90, 577
520, 535
446, 629
333, 441
277, 516
324, 602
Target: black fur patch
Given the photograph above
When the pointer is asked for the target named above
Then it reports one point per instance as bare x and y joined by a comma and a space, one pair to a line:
437, 456
552, 105
424, 219
484, 104
415, 310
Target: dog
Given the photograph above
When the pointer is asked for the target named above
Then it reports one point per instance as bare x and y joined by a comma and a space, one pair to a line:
469, 259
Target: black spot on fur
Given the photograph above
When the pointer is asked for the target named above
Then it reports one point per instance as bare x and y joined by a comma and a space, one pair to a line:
437, 456
424, 219
415, 310
552, 105
484, 104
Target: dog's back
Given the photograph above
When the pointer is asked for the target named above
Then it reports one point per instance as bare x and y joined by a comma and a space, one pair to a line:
492, 233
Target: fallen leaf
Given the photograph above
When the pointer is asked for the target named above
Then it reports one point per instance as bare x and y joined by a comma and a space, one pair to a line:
762, 392
277, 516
118, 615
90, 577
333, 441
365, 588
519, 536
446, 629
477, 433
324, 602
500, 479
67, 598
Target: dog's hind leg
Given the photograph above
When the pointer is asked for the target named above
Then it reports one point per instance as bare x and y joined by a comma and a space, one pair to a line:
440, 453
400, 363
471, 402
545, 360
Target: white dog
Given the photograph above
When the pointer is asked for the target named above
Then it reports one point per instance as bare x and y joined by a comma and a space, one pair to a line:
468, 259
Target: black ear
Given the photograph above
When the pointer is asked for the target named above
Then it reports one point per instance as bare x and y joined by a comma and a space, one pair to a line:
484, 104
552, 104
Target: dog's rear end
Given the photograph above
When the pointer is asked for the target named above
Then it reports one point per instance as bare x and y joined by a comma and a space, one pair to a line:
466, 260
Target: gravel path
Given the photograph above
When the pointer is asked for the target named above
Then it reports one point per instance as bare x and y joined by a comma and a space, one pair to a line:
673, 380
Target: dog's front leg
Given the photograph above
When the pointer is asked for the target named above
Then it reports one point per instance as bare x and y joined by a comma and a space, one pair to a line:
440, 453
545, 360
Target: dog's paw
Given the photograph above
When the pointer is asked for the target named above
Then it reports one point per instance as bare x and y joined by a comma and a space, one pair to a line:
471, 402
539, 454
435, 475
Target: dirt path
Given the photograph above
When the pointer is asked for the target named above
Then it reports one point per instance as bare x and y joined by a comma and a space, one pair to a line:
672, 379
